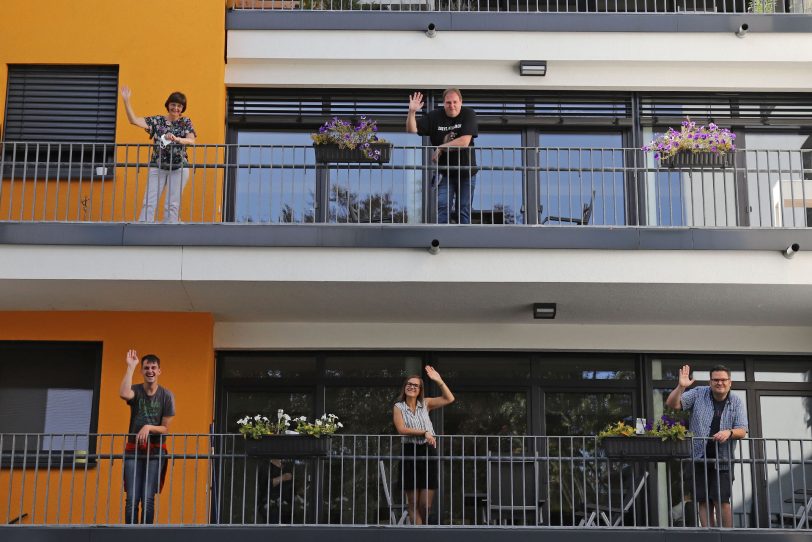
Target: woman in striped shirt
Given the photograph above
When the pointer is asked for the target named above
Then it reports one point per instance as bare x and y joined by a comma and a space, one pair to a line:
419, 466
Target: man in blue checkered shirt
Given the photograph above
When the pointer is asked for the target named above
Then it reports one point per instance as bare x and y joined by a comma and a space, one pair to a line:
719, 417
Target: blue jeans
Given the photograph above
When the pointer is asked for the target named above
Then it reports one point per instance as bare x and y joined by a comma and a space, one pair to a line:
462, 193
141, 484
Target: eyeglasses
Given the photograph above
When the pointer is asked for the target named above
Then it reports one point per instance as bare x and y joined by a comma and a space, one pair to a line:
413, 386
720, 380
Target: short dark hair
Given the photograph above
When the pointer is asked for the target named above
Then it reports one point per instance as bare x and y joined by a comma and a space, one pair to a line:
176, 98
151, 358
451, 90
719, 368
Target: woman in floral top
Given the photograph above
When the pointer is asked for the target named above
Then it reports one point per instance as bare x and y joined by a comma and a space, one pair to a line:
168, 166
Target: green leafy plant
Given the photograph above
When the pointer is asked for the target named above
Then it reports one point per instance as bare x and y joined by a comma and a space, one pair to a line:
258, 426
351, 135
665, 428
326, 425
761, 6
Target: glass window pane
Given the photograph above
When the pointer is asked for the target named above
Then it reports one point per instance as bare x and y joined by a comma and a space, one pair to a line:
574, 368
275, 178
516, 369
363, 410
581, 178
268, 367
582, 414
486, 413
668, 369
392, 193
498, 197
394, 367
783, 371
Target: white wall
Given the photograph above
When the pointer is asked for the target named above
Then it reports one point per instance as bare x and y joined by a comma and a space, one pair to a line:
576, 61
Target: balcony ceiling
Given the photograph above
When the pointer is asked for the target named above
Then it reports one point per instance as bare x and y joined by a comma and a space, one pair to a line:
390, 285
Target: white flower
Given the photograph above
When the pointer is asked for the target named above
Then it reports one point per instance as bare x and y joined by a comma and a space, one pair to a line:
318, 422
339, 424
257, 417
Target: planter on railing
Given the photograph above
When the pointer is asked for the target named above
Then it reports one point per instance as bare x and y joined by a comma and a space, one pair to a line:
646, 448
282, 446
686, 159
331, 153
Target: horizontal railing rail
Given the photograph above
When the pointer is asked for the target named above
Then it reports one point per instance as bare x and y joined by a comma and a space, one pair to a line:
756, 7
290, 184
360, 480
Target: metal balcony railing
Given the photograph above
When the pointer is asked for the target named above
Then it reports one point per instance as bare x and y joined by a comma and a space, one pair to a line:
759, 7
484, 481
272, 184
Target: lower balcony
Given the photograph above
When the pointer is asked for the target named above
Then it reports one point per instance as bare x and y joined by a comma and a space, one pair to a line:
532, 186
566, 484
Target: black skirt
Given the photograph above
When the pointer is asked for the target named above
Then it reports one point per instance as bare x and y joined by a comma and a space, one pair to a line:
419, 467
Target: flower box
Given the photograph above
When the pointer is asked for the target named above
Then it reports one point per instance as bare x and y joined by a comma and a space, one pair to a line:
687, 159
646, 448
332, 153
282, 446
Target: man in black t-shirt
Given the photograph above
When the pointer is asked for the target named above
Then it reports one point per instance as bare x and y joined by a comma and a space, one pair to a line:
152, 408
452, 130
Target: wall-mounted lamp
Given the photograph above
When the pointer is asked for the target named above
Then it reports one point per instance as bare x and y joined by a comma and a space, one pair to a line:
532, 67
743, 30
431, 30
544, 311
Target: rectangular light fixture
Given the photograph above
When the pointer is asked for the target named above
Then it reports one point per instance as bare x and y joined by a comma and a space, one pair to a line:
532, 67
544, 311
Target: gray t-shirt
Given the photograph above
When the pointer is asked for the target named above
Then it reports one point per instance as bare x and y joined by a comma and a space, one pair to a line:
146, 410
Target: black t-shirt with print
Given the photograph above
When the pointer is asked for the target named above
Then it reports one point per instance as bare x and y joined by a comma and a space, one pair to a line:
441, 128
146, 410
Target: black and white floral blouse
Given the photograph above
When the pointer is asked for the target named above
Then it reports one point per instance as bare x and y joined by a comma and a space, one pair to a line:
173, 155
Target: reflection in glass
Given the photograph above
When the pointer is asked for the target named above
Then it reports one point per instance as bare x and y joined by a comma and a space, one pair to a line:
573, 368
267, 367
575, 414
783, 371
394, 367
363, 410
486, 413
581, 178
275, 178
498, 196
489, 368
379, 194
668, 369
779, 181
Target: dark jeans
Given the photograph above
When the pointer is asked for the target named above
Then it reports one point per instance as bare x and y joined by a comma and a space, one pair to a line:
141, 484
457, 190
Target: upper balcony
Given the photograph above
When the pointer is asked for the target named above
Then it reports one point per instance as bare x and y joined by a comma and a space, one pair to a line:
522, 15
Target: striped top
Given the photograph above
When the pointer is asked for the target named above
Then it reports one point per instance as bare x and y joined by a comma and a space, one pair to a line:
419, 419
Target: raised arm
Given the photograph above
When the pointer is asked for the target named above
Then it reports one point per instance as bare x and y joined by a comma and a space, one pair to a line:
674, 399
125, 390
415, 105
438, 402
135, 120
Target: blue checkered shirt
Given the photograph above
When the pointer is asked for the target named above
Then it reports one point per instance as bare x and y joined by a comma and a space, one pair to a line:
700, 402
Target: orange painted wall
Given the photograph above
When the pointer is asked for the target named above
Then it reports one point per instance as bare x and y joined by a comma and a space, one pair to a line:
183, 341
159, 47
